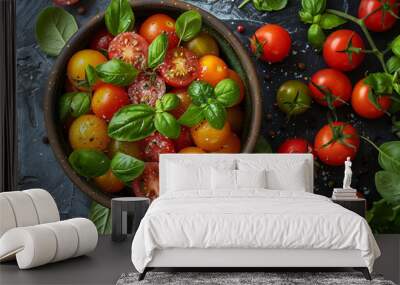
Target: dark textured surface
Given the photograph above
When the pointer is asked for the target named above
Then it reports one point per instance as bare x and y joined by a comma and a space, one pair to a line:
37, 165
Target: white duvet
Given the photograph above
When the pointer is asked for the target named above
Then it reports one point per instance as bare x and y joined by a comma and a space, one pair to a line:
250, 219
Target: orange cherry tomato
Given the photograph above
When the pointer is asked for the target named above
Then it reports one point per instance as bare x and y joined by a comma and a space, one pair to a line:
109, 183
212, 69
235, 118
107, 100
231, 145
208, 138
234, 76
192, 149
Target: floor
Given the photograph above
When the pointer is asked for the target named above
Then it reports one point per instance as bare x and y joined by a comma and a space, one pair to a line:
103, 266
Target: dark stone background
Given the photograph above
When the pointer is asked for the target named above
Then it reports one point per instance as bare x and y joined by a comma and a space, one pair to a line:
38, 167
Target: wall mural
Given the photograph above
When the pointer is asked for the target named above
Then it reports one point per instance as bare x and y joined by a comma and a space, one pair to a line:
350, 111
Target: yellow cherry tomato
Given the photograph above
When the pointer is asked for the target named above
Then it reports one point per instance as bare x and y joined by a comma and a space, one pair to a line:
208, 138
192, 149
109, 183
231, 145
212, 69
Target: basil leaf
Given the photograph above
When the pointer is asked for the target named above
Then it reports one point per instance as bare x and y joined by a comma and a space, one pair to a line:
393, 64
119, 17
388, 185
54, 27
380, 217
314, 7
215, 114
227, 92
316, 36
389, 156
306, 17
380, 83
200, 91
188, 25
80, 104
396, 82
91, 76
125, 167
269, 5
89, 162
157, 51
167, 125
193, 116
64, 105
330, 21
396, 46
101, 218
167, 102
132, 123
117, 72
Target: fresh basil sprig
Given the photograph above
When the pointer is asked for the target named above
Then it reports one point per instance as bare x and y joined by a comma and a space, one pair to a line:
266, 5
74, 104
116, 71
157, 51
396, 46
91, 75
54, 27
188, 25
125, 167
89, 162
393, 64
135, 122
209, 103
119, 17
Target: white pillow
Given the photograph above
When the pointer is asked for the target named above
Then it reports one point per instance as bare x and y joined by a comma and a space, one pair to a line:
251, 178
223, 179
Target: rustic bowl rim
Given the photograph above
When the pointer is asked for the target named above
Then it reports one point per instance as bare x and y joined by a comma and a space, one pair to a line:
253, 87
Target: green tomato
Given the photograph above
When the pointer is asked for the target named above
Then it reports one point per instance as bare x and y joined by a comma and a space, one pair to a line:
293, 97
203, 44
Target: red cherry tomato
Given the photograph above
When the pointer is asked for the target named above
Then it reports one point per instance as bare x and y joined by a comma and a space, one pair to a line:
184, 140
271, 43
295, 145
335, 142
154, 145
101, 40
108, 99
146, 88
155, 25
330, 83
380, 20
363, 106
180, 67
147, 185
131, 48
183, 105
342, 50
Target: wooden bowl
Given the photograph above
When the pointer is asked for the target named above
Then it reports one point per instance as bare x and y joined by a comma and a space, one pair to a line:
143, 8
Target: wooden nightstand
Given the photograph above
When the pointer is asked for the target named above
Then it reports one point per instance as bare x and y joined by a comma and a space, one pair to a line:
358, 205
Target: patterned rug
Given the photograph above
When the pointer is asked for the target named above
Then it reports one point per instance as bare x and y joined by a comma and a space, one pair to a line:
253, 278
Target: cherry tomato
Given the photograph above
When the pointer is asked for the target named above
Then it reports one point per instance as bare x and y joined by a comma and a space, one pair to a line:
192, 149
208, 138
89, 131
101, 40
184, 140
109, 183
293, 97
146, 88
129, 148
155, 25
147, 185
234, 76
185, 101
342, 50
203, 44
335, 142
69, 87
271, 43
107, 100
335, 84
131, 48
76, 67
154, 145
295, 145
363, 106
212, 69
235, 117
380, 20
231, 145
180, 67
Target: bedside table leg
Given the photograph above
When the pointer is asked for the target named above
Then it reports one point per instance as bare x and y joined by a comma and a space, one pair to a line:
143, 274
364, 271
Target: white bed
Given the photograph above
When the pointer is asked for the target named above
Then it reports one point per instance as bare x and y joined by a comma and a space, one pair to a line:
248, 227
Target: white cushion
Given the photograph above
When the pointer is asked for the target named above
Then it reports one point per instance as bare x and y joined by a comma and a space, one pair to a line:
45, 205
23, 208
7, 218
251, 178
223, 179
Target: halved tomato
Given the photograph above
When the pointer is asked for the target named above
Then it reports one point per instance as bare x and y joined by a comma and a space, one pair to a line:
131, 48
101, 40
146, 88
185, 101
147, 185
154, 145
180, 67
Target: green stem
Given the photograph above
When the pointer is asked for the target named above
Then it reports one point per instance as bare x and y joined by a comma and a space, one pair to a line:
243, 4
361, 23
380, 151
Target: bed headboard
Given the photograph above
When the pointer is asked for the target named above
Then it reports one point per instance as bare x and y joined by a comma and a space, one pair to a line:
205, 158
